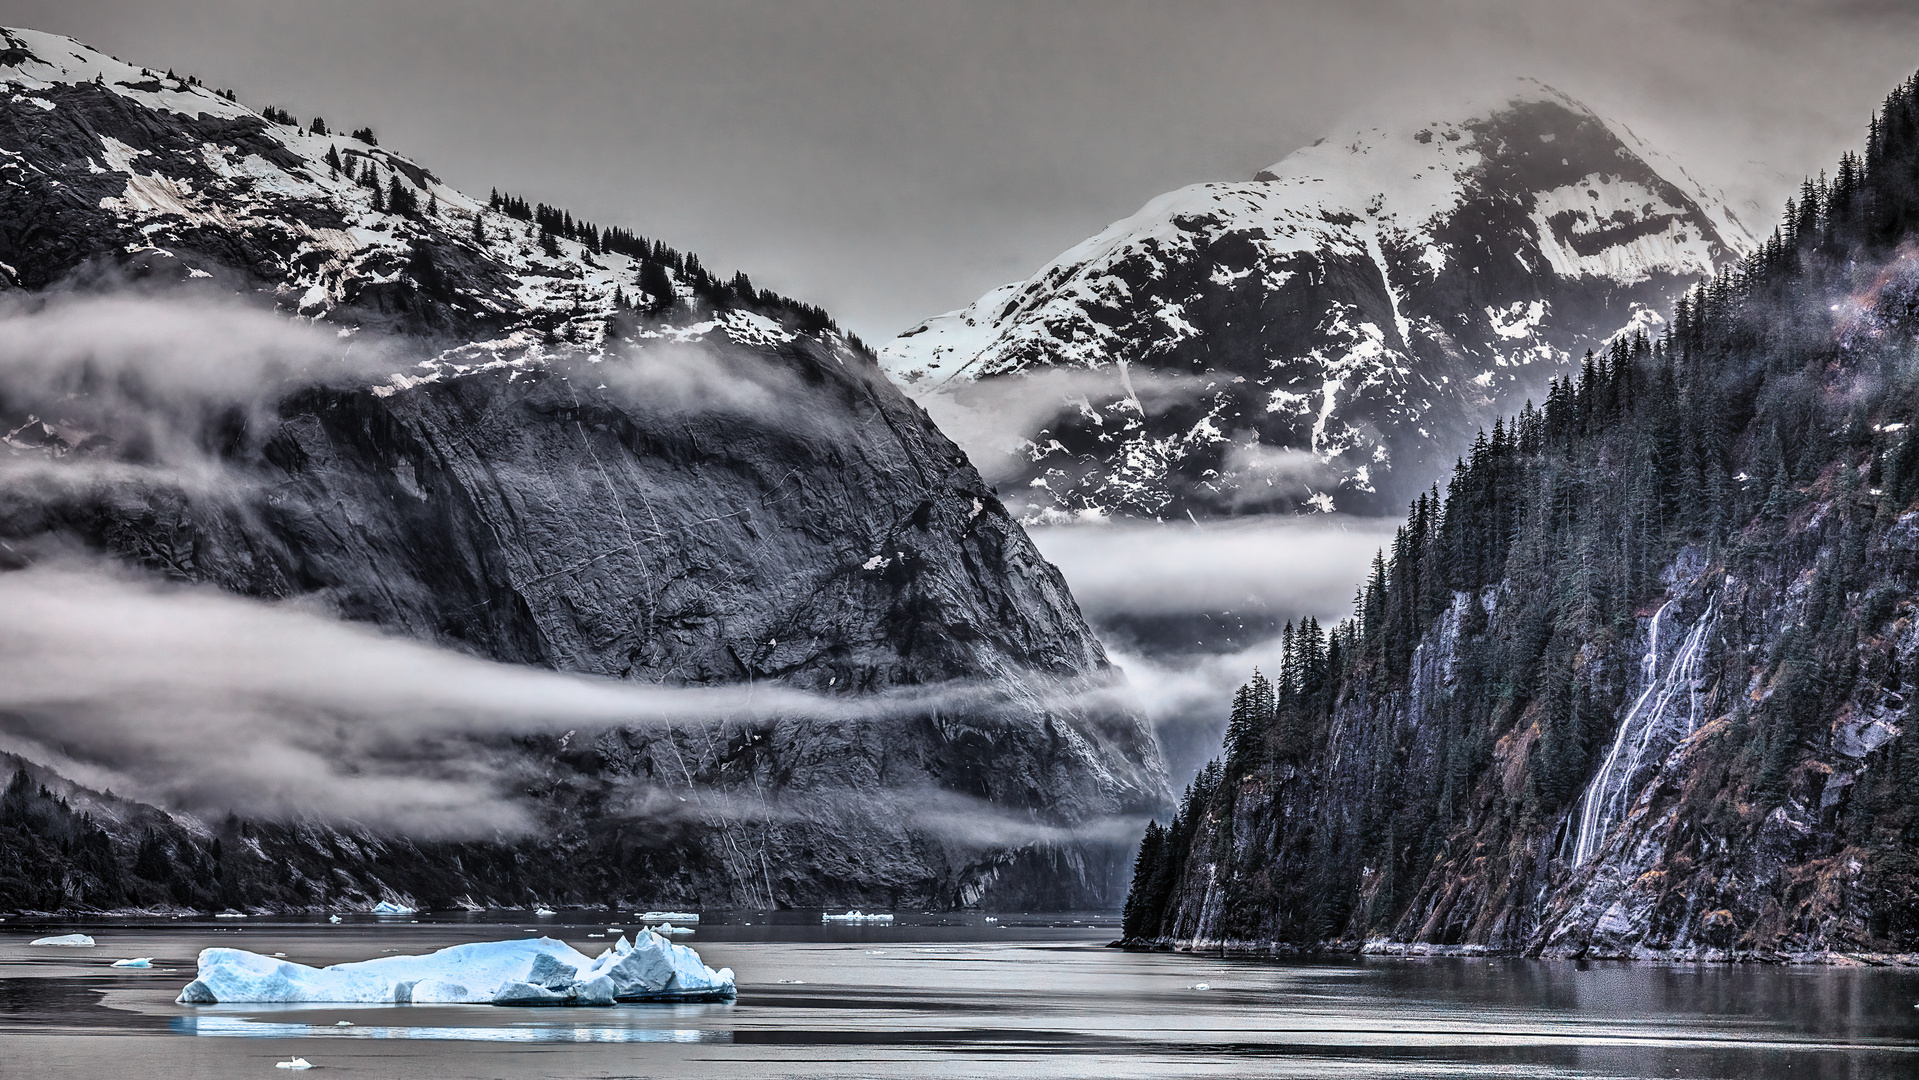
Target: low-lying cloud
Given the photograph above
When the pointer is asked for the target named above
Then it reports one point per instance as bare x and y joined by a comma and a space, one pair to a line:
1293, 566
1252, 573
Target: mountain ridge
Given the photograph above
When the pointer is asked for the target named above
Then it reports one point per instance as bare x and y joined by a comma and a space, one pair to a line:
1290, 342
544, 443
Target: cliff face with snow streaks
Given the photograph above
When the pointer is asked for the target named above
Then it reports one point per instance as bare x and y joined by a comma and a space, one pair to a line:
590, 456
1327, 335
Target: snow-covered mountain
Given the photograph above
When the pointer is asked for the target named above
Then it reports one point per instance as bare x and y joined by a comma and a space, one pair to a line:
1327, 335
556, 446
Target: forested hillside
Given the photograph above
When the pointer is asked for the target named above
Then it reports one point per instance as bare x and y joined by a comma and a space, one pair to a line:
1637, 682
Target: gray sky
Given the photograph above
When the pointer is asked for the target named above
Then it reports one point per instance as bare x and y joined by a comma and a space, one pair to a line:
891, 159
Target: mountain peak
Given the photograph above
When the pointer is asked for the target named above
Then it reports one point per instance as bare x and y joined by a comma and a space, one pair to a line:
1320, 336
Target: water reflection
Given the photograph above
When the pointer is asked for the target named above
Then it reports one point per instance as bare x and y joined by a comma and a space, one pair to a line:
944, 999
243, 1028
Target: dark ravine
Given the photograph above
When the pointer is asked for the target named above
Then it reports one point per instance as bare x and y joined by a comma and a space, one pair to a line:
1639, 685
526, 494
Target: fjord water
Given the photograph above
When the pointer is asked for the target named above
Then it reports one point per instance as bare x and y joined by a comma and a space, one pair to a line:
949, 996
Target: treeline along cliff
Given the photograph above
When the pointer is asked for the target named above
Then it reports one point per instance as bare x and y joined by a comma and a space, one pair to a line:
1638, 682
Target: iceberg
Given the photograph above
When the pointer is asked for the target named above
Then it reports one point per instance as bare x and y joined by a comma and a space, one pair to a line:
333, 918
671, 916
388, 907
538, 971
544, 911
138, 961
669, 929
855, 916
295, 1063
81, 941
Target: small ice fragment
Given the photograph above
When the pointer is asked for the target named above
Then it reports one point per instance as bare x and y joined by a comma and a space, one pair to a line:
669, 928
279, 954
343, 1023
671, 916
333, 918
231, 915
855, 916
296, 1063
544, 911
992, 918
388, 907
616, 929
78, 941
1202, 986
795, 982
138, 961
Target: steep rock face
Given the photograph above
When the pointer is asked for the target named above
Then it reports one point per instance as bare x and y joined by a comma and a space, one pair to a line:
708, 486
1327, 335
1665, 854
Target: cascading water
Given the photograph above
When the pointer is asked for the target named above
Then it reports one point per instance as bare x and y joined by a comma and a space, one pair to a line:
1653, 712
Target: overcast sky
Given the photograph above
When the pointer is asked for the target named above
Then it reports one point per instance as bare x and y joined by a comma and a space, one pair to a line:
892, 159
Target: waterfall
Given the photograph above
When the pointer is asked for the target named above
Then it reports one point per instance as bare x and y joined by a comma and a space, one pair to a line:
1654, 711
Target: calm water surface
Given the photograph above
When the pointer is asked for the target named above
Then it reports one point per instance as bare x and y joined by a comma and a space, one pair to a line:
949, 997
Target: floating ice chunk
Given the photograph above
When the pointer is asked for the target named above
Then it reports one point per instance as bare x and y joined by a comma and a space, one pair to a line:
544, 911
296, 1063
1202, 986
388, 907
79, 941
856, 916
343, 1023
231, 915
540, 971
669, 928
671, 916
136, 962
333, 918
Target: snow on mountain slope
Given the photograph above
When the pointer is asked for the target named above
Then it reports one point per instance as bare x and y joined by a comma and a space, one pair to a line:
1323, 335
222, 185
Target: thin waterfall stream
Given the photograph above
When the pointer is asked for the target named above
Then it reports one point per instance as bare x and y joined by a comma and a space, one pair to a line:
1607, 797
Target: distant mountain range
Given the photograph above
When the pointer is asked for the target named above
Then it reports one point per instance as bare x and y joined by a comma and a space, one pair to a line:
1328, 335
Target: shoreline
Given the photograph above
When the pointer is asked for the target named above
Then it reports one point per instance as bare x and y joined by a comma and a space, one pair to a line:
1257, 950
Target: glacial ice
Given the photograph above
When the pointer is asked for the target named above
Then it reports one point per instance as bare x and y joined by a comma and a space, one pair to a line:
294, 1063
136, 962
387, 907
539, 971
671, 916
76, 940
669, 929
855, 916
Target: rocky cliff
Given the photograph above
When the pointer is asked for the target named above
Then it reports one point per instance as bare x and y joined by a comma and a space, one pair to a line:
1328, 334
1640, 683
590, 455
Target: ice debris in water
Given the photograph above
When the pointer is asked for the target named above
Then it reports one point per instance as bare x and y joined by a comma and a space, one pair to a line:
138, 961
76, 940
388, 907
669, 928
296, 1063
540, 971
671, 916
855, 916
333, 918
544, 911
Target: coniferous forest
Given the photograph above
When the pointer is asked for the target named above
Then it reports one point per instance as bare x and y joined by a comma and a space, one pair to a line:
1636, 681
